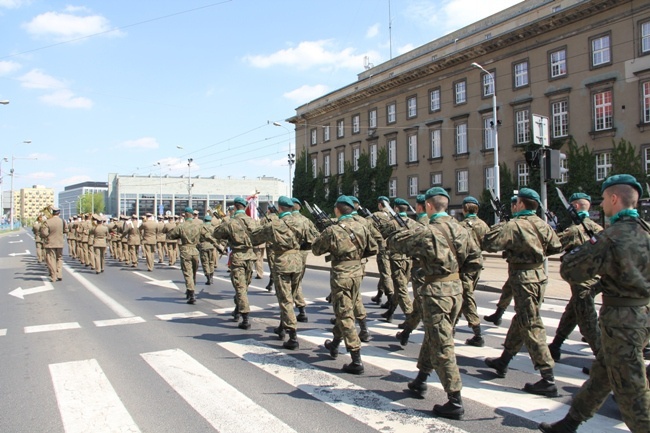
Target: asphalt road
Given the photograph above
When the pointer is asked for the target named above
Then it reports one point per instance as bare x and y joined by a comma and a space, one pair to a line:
122, 352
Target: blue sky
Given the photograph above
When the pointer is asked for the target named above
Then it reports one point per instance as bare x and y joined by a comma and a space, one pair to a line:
119, 86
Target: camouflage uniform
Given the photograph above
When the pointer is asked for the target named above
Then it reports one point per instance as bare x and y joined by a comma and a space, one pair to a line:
207, 249
400, 272
188, 233
306, 224
417, 281
622, 259
385, 283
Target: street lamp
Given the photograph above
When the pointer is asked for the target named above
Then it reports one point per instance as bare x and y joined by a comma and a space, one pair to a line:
291, 157
13, 158
4, 102
160, 208
2, 209
495, 133
189, 180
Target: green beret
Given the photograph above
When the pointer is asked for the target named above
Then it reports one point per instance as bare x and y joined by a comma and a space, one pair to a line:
187, 210
207, 218
354, 199
579, 195
529, 194
296, 201
285, 201
470, 199
344, 199
383, 198
420, 199
513, 199
400, 202
241, 201
622, 179
436, 190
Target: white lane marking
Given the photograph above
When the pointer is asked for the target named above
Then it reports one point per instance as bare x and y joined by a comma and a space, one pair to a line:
223, 406
276, 305
3, 332
169, 284
111, 303
188, 315
26, 253
365, 406
487, 392
20, 292
251, 286
87, 401
120, 321
51, 327
230, 309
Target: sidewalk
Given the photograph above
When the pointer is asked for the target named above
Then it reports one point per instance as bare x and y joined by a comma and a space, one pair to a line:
493, 276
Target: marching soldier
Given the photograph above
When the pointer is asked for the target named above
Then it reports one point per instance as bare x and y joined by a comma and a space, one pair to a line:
621, 256
207, 249
72, 239
124, 240
52, 231
308, 227
133, 241
149, 238
172, 244
385, 283
161, 239
188, 233
99, 235
36, 230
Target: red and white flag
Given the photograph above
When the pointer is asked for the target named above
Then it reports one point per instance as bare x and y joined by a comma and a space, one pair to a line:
251, 208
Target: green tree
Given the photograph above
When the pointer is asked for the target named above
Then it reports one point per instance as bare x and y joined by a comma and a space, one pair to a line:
303, 179
365, 184
91, 202
347, 180
383, 172
626, 159
320, 192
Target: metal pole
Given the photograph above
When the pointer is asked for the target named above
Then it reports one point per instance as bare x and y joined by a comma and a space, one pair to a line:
189, 181
11, 212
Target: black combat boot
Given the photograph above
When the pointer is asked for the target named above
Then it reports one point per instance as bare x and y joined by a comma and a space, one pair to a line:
292, 342
333, 320
191, 299
403, 336
235, 314
302, 316
495, 317
545, 386
377, 298
244, 324
364, 335
280, 332
500, 364
403, 324
187, 293
555, 347
269, 286
565, 425
333, 347
453, 409
388, 303
209, 282
356, 366
418, 386
477, 339
388, 314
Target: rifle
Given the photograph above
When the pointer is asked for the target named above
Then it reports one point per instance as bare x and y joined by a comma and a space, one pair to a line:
497, 206
397, 217
322, 220
364, 212
260, 212
575, 217
272, 207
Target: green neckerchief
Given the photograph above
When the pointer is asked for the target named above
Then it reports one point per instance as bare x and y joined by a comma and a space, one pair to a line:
420, 215
189, 219
343, 217
470, 215
525, 212
625, 212
284, 214
402, 214
354, 212
583, 214
438, 215
295, 211
239, 211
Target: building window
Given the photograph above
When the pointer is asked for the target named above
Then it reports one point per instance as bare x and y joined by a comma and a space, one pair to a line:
341, 162
603, 110
521, 74
523, 173
373, 155
488, 84
391, 111
340, 128
462, 181
326, 133
356, 124
372, 119
646, 102
489, 178
600, 51
434, 100
461, 138
646, 154
557, 62
436, 179
603, 165
460, 92
314, 167
326, 165
413, 148
436, 144
313, 136
488, 133
645, 37
560, 113
522, 131
412, 107
355, 158
413, 186
392, 152
392, 188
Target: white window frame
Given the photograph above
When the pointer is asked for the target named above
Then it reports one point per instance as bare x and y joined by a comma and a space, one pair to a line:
462, 181
489, 178
356, 152
646, 154
523, 174
356, 124
326, 166
373, 155
314, 167
603, 165
522, 129
314, 139
461, 138
340, 162
392, 188
521, 74
601, 53
488, 133
391, 113
411, 107
413, 186
488, 84
645, 89
436, 143
436, 179
645, 37
391, 148
434, 100
412, 148
460, 92
372, 118
340, 128
603, 110
560, 118
326, 133
558, 63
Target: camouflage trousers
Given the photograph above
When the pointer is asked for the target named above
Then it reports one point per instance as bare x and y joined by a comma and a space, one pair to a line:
241, 274
619, 367
400, 271
298, 297
385, 283
207, 260
286, 286
439, 315
259, 262
526, 327
270, 257
189, 266
345, 294
417, 281
469, 309
581, 311
506, 296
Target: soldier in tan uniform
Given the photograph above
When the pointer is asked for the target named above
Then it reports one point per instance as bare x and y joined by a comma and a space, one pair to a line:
133, 240
36, 230
148, 237
188, 234
161, 239
52, 231
72, 238
100, 236
171, 243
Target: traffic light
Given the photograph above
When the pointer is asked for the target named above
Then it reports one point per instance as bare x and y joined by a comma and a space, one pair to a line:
532, 158
554, 165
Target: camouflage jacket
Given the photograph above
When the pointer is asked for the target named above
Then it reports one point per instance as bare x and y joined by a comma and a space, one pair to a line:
285, 235
347, 241
236, 231
391, 226
381, 242
309, 228
206, 240
188, 232
575, 235
477, 228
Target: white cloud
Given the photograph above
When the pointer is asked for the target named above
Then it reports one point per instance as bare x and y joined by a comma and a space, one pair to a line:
268, 162
70, 25
372, 31
39, 175
37, 79
7, 67
13, 4
405, 48
60, 95
66, 99
306, 93
310, 54
141, 143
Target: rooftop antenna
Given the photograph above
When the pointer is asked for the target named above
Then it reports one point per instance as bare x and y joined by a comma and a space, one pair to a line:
390, 32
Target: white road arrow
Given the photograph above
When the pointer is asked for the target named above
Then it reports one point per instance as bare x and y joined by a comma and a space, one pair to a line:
162, 283
15, 242
26, 253
20, 292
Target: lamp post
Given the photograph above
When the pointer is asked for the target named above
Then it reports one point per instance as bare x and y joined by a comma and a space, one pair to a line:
4, 102
495, 133
13, 158
189, 181
2, 209
291, 157
159, 209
